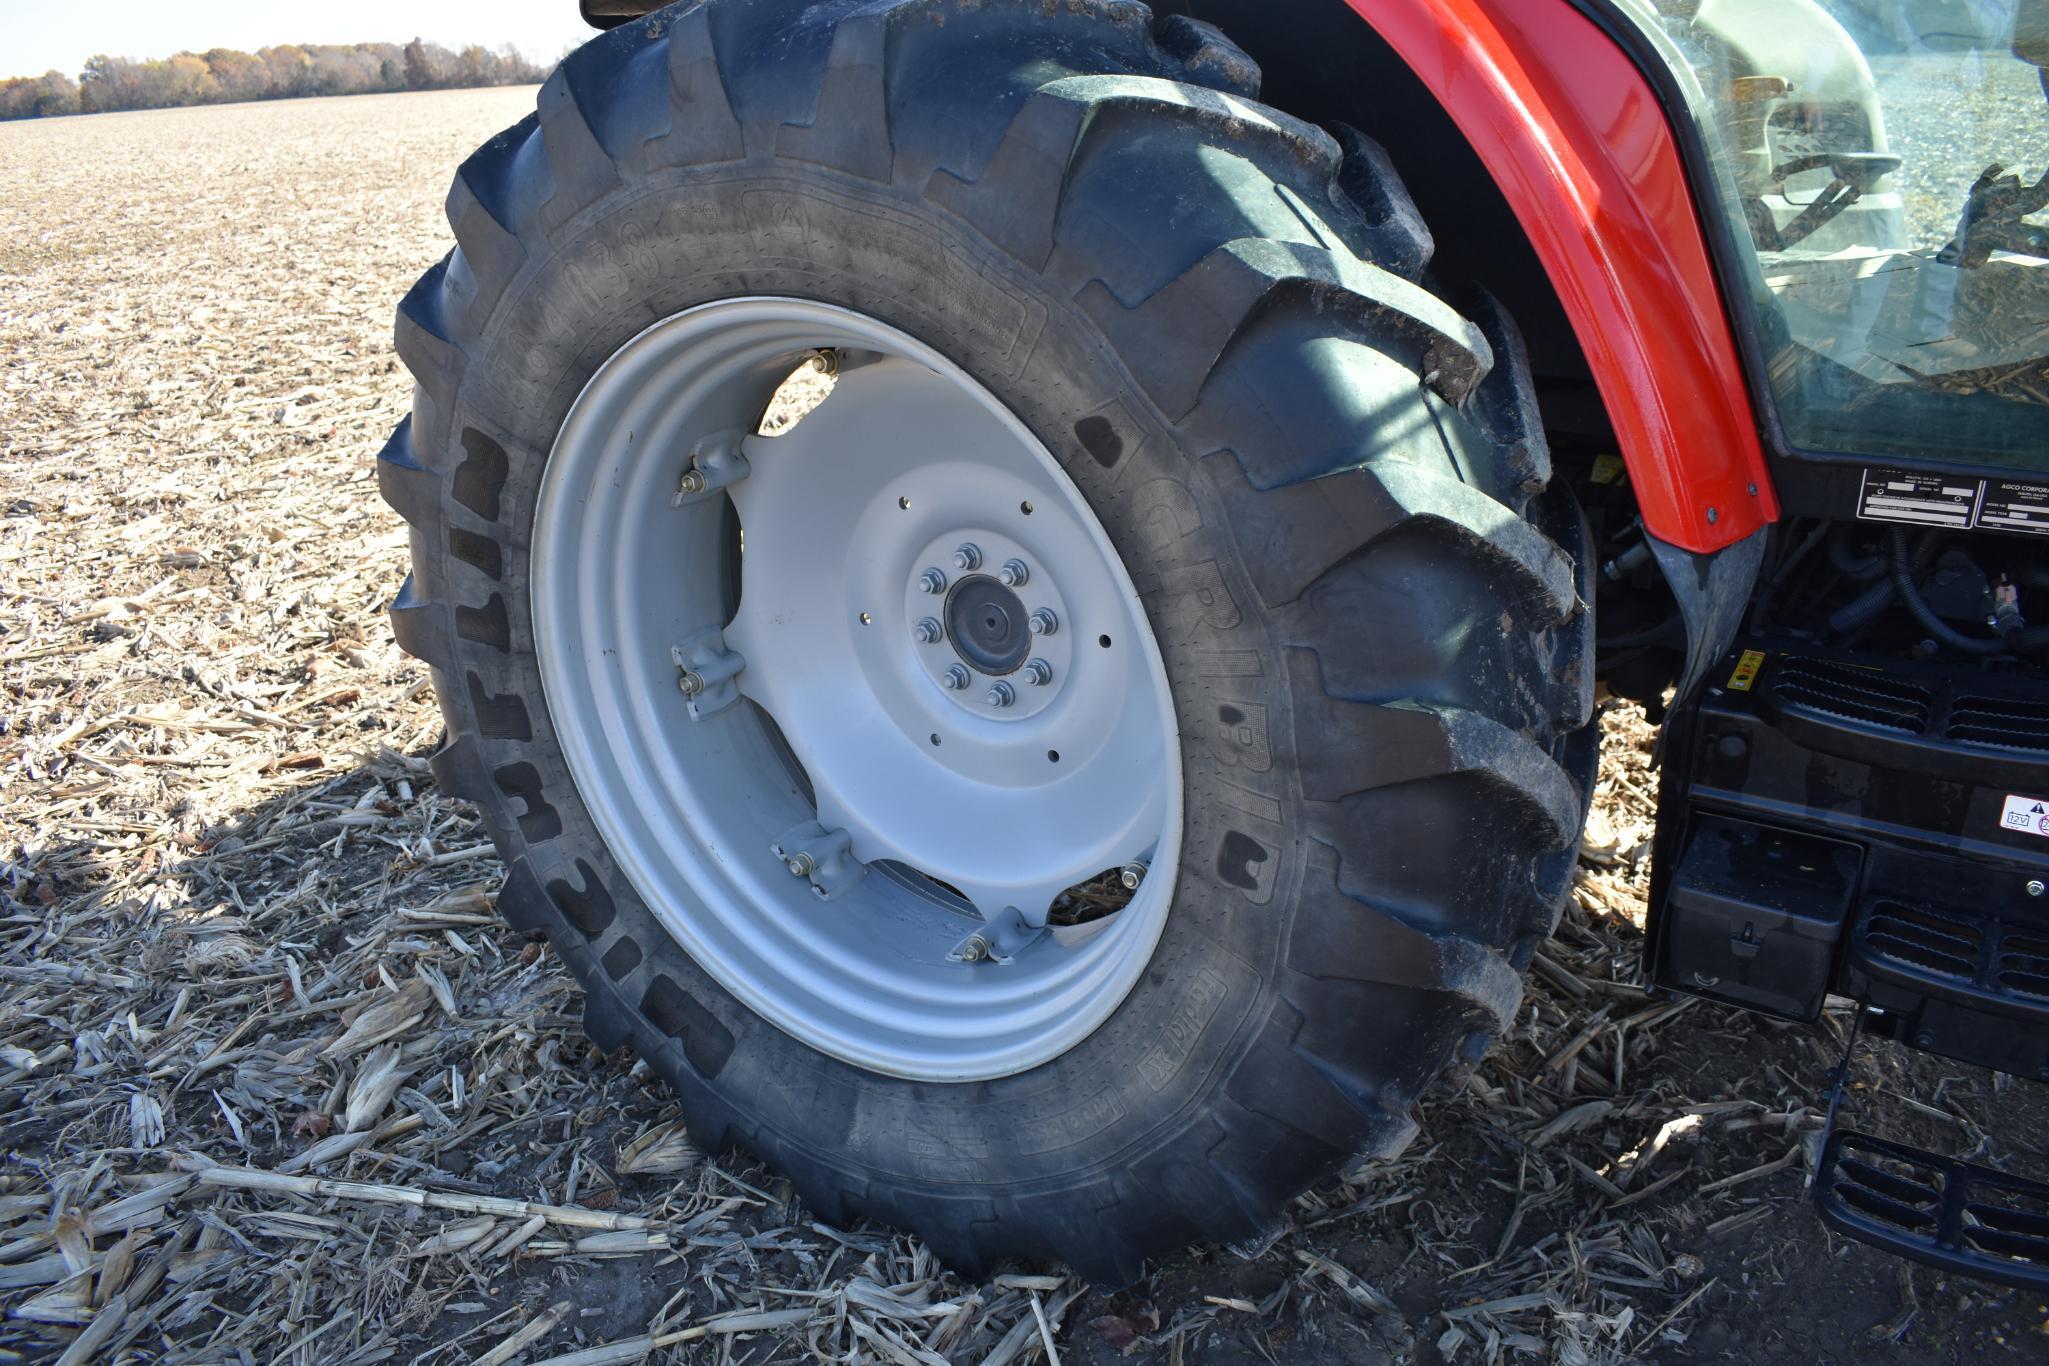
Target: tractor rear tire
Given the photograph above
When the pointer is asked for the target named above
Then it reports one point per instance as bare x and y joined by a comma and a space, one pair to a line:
1327, 485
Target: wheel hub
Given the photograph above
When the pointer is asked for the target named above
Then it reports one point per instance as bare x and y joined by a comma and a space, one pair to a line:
946, 705
995, 649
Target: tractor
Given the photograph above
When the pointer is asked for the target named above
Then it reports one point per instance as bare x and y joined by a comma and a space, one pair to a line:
1022, 584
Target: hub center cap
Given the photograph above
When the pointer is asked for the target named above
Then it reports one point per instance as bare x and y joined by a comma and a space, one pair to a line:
986, 622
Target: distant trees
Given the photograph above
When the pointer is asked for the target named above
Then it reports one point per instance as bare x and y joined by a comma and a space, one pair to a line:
34, 97
288, 71
421, 72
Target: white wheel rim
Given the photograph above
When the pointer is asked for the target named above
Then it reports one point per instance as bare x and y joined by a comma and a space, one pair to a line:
908, 460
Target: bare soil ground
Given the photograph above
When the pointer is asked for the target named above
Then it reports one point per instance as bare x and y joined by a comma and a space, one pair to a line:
247, 954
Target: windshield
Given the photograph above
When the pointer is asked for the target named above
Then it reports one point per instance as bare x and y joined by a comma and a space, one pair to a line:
1883, 161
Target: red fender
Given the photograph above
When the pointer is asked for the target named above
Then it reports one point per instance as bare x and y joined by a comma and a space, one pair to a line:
1578, 142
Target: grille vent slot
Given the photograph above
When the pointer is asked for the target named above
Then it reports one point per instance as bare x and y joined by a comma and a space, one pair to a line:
1857, 694
1920, 937
2009, 723
2024, 966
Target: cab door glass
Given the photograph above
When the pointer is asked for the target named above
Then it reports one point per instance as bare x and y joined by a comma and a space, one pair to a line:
1884, 163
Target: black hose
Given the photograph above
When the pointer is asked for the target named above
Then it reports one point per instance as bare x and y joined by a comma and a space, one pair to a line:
1861, 610
1760, 610
1862, 568
1942, 632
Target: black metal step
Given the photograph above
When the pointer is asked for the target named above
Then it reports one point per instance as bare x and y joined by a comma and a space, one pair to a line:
1972, 1220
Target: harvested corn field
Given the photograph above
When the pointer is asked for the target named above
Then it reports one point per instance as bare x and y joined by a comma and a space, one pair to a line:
276, 1084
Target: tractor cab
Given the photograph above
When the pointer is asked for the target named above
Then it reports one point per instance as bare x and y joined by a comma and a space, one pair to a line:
1857, 801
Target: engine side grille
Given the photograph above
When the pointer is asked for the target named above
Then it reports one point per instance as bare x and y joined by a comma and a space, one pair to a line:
2024, 966
1924, 939
2009, 723
1857, 694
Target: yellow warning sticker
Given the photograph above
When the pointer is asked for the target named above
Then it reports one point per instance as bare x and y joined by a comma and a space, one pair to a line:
1746, 671
1608, 469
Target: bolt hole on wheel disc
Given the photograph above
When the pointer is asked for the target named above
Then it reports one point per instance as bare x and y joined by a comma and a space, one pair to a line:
902, 800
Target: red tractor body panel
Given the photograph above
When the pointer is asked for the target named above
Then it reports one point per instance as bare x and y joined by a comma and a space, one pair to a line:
1579, 144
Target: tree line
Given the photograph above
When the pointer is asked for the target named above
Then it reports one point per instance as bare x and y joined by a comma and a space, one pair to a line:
288, 71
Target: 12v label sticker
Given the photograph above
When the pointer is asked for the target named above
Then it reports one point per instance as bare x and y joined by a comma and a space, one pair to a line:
2028, 815
1961, 504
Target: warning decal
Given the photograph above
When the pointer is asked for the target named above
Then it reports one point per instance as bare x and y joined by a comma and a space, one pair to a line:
2027, 815
1746, 670
1922, 499
2010, 505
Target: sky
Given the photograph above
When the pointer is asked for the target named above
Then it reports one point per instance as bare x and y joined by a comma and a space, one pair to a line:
43, 35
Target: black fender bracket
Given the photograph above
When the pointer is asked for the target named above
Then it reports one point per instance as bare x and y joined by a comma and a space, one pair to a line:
1712, 590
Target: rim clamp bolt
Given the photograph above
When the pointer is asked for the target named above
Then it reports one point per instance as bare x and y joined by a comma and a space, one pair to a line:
1038, 672
1043, 622
705, 669
1001, 694
714, 462
928, 631
822, 857
955, 678
1013, 574
932, 581
1131, 874
968, 557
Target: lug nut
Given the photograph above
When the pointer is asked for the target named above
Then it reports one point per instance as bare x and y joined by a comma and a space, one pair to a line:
1038, 672
1043, 622
974, 951
1001, 694
955, 678
1131, 874
691, 682
1013, 574
691, 482
969, 556
932, 581
928, 631
799, 864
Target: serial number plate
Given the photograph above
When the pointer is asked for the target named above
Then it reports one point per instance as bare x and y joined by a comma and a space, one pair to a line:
1937, 500
2010, 505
